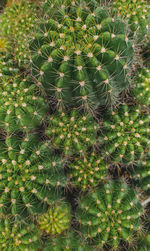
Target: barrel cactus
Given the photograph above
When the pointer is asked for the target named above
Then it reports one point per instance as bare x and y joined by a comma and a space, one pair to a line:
73, 133
30, 176
81, 57
87, 171
7, 65
109, 214
18, 236
57, 219
20, 106
17, 23
141, 88
125, 134
136, 13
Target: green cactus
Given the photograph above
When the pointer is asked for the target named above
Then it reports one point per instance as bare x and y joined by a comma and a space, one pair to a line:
7, 66
80, 57
18, 23
73, 133
109, 214
20, 106
57, 219
125, 134
141, 88
69, 242
30, 176
18, 236
87, 171
136, 13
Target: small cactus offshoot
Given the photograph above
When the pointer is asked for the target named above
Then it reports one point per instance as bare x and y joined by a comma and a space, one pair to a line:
18, 236
57, 219
30, 176
73, 133
109, 214
125, 134
87, 171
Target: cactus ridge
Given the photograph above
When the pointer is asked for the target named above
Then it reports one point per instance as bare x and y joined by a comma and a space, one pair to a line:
30, 176
109, 214
73, 133
18, 237
80, 56
57, 219
125, 134
20, 107
87, 171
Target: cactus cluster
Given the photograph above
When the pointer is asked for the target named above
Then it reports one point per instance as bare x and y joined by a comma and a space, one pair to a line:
18, 236
57, 219
109, 214
136, 13
29, 175
87, 171
141, 88
73, 133
82, 57
20, 106
125, 134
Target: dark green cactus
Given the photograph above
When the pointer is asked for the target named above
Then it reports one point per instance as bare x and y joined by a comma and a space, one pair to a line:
57, 219
7, 66
125, 134
87, 171
141, 88
82, 57
136, 13
18, 236
30, 176
73, 133
69, 242
20, 106
109, 214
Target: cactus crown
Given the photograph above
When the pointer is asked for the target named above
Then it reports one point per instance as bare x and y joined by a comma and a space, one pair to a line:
75, 134
87, 171
57, 219
28, 176
80, 55
125, 134
110, 214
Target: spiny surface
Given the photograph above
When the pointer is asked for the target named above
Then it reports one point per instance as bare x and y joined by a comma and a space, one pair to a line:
30, 176
73, 133
109, 214
125, 134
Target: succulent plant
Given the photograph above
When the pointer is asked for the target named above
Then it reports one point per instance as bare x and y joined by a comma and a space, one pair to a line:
18, 236
67, 242
30, 176
18, 23
73, 133
136, 13
7, 65
109, 214
125, 134
21, 108
57, 219
87, 171
81, 57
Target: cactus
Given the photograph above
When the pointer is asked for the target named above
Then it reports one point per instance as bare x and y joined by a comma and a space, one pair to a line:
141, 88
69, 242
57, 219
20, 107
73, 133
136, 13
87, 171
18, 23
7, 66
29, 176
18, 236
125, 134
80, 57
109, 214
